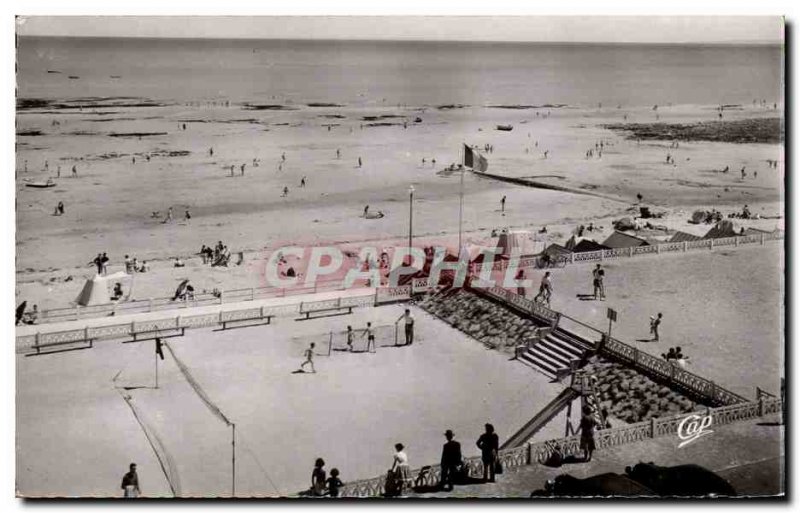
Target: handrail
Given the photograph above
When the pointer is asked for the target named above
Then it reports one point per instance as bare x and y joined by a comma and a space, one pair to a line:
84, 333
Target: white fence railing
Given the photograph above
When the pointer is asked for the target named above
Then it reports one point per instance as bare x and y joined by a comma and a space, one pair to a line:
369, 297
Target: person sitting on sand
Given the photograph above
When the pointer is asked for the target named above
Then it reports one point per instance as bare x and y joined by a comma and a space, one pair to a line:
128, 264
31, 317
144, 267
117, 294
178, 262
168, 219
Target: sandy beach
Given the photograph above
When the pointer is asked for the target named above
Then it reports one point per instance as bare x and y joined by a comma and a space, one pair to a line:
109, 205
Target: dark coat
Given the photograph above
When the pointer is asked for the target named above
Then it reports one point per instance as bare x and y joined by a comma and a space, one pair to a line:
451, 454
488, 443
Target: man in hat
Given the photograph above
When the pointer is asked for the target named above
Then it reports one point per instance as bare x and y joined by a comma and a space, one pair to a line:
451, 460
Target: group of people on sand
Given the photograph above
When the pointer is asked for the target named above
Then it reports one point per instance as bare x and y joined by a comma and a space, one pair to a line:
101, 262
219, 255
399, 479
132, 265
676, 356
59, 211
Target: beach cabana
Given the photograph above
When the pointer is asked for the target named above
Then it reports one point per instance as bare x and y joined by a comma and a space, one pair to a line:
623, 240
95, 290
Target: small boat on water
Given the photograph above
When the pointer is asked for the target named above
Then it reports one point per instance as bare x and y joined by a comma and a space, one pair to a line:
40, 184
74, 77
505, 128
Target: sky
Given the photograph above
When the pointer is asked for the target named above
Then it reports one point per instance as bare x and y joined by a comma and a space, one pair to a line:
617, 29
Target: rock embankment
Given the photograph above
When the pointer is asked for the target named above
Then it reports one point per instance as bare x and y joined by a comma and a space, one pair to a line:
633, 397
491, 324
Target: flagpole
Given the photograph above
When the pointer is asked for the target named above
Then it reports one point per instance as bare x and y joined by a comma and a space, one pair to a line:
461, 197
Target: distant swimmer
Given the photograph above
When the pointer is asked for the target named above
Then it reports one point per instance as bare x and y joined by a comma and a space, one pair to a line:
303, 182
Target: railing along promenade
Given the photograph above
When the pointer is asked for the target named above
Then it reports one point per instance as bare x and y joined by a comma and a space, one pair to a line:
251, 294
539, 452
153, 327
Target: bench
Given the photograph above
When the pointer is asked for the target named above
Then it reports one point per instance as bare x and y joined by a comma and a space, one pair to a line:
151, 330
327, 308
244, 318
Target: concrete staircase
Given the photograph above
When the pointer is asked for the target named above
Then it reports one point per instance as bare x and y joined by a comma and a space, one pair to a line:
553, 353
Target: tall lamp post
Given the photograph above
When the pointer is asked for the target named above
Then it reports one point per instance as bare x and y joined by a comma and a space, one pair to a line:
410, 220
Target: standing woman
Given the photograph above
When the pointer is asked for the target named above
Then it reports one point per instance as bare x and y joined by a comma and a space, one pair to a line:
318, 478
489, 444
400, 468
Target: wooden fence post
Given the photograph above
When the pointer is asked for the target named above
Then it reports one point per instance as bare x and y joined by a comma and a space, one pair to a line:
658, 249
630, 251
529, 454
572, 255
762, 239
685, 245
710, 243
652, 427
761, 406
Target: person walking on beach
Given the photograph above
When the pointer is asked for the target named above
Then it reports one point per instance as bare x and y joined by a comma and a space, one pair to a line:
130, 483
242, 169
744, 174
303, 182
232, 166
409, 325
489, 443
74, 172
370, 333
359, 161
211, 152
545, 289
309, 354
597, 281
58, 171
187, 215
98, 262
503, 204
168, 219
283, 157
655, 323
451, 460
366, 210
285, 192
338, 153
588, 425
104, 263
349, 334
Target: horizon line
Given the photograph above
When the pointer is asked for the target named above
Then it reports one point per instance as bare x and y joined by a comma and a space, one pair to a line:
416, 40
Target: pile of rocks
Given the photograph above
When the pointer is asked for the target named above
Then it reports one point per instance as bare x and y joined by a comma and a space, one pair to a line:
493, 325
633, 397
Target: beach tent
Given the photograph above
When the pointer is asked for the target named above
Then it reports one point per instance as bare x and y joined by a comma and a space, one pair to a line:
623, 240
95, 290
582, 245
518, 242
724, 228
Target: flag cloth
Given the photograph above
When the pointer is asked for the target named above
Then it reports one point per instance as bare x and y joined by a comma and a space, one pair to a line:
475, 160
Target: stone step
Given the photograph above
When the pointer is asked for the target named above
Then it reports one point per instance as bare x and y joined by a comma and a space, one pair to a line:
566, 345
563, 350
541, 365
544, 359
554, 355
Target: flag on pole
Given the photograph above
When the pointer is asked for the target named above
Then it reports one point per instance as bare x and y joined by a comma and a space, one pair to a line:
475, 160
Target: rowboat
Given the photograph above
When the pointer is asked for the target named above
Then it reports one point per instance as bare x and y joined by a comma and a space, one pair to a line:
41, 185
505, 128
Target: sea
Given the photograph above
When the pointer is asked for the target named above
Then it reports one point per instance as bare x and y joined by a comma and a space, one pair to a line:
387, 72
